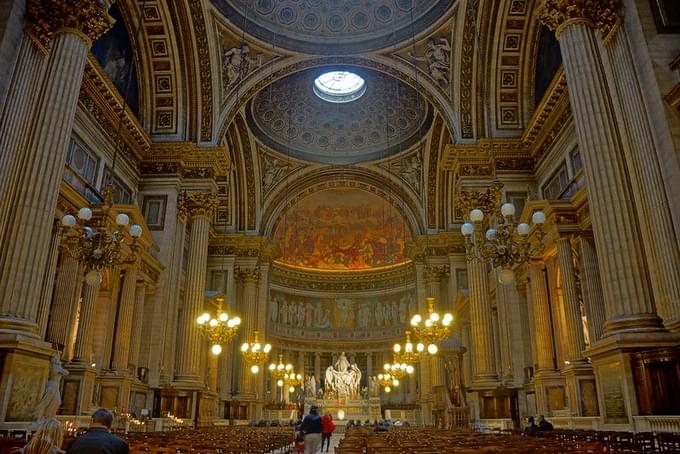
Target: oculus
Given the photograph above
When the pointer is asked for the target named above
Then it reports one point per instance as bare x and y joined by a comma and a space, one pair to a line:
339, 86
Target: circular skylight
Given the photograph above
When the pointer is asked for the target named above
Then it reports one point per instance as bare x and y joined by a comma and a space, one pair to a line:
339, 86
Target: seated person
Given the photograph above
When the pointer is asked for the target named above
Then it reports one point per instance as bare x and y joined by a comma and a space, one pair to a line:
98, 439
543, 425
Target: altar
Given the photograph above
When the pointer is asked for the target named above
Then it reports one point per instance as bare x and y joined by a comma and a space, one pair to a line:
344, 410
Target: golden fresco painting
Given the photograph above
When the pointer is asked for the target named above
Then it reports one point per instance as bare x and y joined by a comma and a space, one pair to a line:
342, 229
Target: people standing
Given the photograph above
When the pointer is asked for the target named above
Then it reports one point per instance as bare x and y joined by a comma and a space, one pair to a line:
542, 424
99, 439
47, 439
311, 429
327, 429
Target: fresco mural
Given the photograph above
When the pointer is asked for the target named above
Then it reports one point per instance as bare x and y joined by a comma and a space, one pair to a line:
366, 313
114, 52
342, 229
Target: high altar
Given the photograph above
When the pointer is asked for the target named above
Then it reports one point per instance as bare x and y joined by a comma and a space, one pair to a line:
342, 394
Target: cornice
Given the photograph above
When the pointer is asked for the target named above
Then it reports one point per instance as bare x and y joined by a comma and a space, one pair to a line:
187, 160
239, 245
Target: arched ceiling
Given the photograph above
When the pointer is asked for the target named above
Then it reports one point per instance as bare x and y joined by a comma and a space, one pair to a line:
333, 27
387, 119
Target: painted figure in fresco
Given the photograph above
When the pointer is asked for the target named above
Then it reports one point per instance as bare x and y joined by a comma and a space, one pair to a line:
345, 308
51, 400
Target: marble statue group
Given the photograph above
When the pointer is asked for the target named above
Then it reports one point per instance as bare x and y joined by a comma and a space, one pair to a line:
343, 379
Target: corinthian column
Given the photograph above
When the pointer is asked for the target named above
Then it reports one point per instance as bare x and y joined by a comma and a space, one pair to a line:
544, 346
126, 309
137, 326
85, 336
66, 294
200, 207
25, 243
433, 278
592, 289
483, 356
572, 310
626, 281
249, 278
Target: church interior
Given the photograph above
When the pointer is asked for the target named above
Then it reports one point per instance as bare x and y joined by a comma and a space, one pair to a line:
431, 213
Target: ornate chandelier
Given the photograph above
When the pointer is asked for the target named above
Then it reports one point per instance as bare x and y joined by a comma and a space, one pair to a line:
434, 329
398, 370
220, 329
387, 381
280, 370
408, 353
95, 245
292, 380
505, 243
254, 353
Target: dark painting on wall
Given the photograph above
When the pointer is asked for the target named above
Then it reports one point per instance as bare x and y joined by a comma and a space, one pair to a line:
113, 51
548, 61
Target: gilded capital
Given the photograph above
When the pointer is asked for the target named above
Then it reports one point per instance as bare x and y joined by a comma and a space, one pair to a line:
602, 15
88, 18
196, 204
435, 273
248, 275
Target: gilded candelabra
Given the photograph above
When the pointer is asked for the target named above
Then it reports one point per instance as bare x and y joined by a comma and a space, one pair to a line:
93, 243
398, 370
220, 329
254, 353
387, 381
505, 243
280, 370
431, 329
408, 353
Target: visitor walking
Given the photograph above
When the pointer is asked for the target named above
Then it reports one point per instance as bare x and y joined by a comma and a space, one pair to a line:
311, 429
327, 428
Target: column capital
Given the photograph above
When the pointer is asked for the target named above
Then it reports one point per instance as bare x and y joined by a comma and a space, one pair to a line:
602, 15
435, 273
248, 275
195, 204
87, 18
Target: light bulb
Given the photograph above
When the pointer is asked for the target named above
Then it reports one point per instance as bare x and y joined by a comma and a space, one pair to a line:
380, 376
408, 347
200, 320
506, 276
257, 347
538, 218
490, 234
420, 347
523, 229
267, 348
68, 220
280, 367
122, 220
135, 230
272, 367
237, 320
467, 229
395, 382
244, 347
448, 318
289, 366
432, 349
387, 389
434, 317
291, 389
216, 349
223, 317
299, 376
508, 209
230, 324
476, 215
416, 319
85, 214
409, 369
428, 323
254, 369
206, 316
386, 367
93, 278
279, 383
213, 322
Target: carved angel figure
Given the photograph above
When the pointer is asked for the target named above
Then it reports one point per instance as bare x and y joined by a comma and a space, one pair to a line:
237, 63
51, 400
437, 57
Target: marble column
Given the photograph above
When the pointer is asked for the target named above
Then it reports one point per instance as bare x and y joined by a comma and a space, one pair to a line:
424, 367
543, 336
249, 278
126, 310
67, 292
199, 207
592, 288
369, 364
483, 356
86, 327
658, 235
137, 326
575, 343
26, 243
626, 280
48, 282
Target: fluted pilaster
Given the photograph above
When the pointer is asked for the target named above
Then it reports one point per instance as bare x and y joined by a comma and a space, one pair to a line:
85, 336
571, 304
424, 367
433, 278
625, 278
543, 337
592, 289
48, 282
480, 320
67, 291
126, 309
26, 243
249, 279
137, 325
188, 358
646, 180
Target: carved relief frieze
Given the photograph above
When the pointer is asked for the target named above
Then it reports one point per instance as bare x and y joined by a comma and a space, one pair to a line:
205, 78
199, 203
486, 200
467, 71
409, 168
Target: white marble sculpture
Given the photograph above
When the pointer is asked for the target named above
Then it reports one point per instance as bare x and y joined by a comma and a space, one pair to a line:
51, 400
342, 379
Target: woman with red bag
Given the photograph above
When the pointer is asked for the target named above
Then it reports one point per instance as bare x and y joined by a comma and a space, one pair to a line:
327, 428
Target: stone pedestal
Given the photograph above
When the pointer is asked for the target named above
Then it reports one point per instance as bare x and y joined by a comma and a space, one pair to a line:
114, 391
78, 390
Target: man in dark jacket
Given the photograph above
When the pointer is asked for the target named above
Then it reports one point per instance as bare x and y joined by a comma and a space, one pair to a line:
542, 424
311, 429
98, 439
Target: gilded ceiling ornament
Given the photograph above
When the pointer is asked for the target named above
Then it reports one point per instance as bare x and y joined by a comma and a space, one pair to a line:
487, 200
438, 59
603, 15
89, 18
197, 203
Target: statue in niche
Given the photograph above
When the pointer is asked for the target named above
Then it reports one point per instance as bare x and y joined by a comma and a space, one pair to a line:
300, 315
343, 379
379, 314
237, 63
310, 386
309, 315
387, 308
437, 58
274, 310
410, 170
273, 171
373, 387
292, 313
455, 386
283, 312
51, 400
